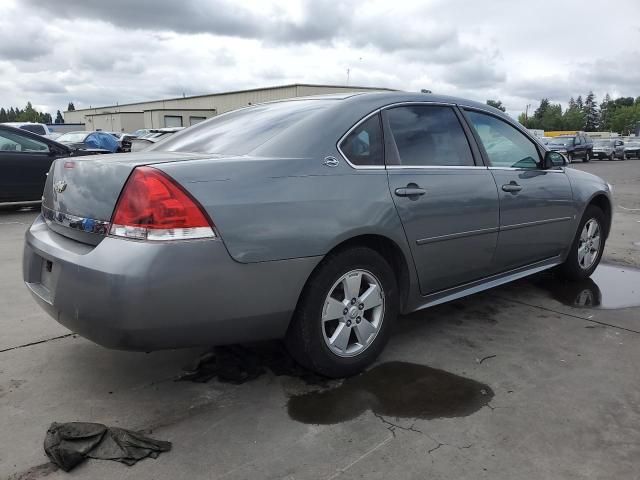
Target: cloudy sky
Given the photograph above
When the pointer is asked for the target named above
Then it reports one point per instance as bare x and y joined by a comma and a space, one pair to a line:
102, 52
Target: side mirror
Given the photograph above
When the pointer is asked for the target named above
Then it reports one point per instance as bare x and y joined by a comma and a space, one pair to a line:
554, 160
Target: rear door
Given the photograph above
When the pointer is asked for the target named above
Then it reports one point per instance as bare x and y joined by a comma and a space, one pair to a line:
448, 204
536, 205
24, 163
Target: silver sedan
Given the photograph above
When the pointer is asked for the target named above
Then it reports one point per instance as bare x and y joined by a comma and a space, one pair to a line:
317, 220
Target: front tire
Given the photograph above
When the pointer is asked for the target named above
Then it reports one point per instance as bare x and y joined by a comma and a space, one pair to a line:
586, 158
344, 315
587, 247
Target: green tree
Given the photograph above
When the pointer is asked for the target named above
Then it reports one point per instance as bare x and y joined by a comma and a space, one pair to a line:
11, 115
3, 115
59, 117
579, 102
591, 114
606, 109
496, 104
71, 107
573, 118
625, 119
523, 120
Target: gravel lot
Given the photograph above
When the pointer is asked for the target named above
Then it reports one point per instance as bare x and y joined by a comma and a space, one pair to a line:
560, 386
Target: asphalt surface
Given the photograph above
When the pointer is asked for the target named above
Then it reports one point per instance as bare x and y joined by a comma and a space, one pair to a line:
537, 379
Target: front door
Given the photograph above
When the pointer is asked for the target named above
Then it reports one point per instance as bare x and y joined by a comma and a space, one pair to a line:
24, 163
536, 205
448, 205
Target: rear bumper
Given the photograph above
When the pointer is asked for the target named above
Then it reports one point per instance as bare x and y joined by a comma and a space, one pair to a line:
147, 296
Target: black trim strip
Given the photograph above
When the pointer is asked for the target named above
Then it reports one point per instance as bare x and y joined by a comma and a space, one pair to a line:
483, 231
453, 236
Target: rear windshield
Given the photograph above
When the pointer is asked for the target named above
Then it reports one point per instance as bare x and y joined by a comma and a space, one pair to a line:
241, 131
561, 140
72, 137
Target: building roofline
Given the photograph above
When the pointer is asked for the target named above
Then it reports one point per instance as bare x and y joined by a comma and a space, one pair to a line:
234, 92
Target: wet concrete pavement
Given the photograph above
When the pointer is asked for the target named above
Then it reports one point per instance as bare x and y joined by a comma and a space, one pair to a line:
532, 384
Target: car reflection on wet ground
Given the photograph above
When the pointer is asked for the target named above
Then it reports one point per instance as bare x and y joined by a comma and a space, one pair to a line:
610, 287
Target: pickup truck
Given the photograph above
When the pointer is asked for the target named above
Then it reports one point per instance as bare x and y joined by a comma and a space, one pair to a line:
38, 128
575, 147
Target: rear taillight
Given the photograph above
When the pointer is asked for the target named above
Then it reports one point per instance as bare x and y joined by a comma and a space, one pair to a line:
152, 206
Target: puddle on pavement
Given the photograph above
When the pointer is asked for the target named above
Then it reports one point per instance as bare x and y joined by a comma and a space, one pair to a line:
394, 389
610, 287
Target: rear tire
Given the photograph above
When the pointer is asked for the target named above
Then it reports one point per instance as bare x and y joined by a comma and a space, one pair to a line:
586, 252
586, 158
323, 335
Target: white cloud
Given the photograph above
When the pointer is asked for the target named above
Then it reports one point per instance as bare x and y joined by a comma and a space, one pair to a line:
94, 52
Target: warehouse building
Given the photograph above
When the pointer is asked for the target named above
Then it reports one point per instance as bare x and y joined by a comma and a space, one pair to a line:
185, 111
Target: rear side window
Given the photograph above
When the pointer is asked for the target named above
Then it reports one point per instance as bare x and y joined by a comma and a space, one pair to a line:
39, 129
363, 146
241, 131
429, 136
505, 145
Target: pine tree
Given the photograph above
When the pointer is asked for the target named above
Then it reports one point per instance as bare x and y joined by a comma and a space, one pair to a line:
605, 113
59, 117
572, 103
496, 104
591, 114
11, 115
71, 107
3, 115
579, 102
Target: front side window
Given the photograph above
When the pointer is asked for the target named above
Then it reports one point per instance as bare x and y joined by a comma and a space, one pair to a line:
11, 142
429, 135
505, 145
363, 146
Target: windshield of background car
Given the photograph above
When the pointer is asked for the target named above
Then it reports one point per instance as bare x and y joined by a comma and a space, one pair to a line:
602, 143
561, 141
241, 131
72, 137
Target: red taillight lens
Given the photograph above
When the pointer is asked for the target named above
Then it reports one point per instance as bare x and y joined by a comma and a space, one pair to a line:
152, 206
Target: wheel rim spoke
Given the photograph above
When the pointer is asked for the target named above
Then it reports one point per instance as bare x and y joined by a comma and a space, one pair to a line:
351, 284
371, 297
364, 330
340, 338
333, 309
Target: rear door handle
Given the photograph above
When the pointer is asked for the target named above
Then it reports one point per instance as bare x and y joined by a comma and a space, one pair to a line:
511, 187
410, 191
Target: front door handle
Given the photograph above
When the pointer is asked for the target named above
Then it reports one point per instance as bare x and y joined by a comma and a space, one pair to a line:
410, 191
511, 187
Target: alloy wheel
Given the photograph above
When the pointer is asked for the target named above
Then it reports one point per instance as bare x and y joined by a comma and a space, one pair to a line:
353, 312
589, 244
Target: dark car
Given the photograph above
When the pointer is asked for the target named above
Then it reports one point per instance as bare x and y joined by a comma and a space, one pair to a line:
575, 147
608, 149
632, 148
90, 140
25, 159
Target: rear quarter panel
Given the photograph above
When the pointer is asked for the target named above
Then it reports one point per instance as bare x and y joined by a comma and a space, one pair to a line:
272, 209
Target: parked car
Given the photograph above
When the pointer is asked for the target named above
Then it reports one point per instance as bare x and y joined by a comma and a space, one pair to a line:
25, 159
90, 140
139, 144
632, 148
317, 220
38, 128
608, 149
575, 147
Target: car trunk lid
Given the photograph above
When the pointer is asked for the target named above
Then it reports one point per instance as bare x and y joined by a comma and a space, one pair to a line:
80, 193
